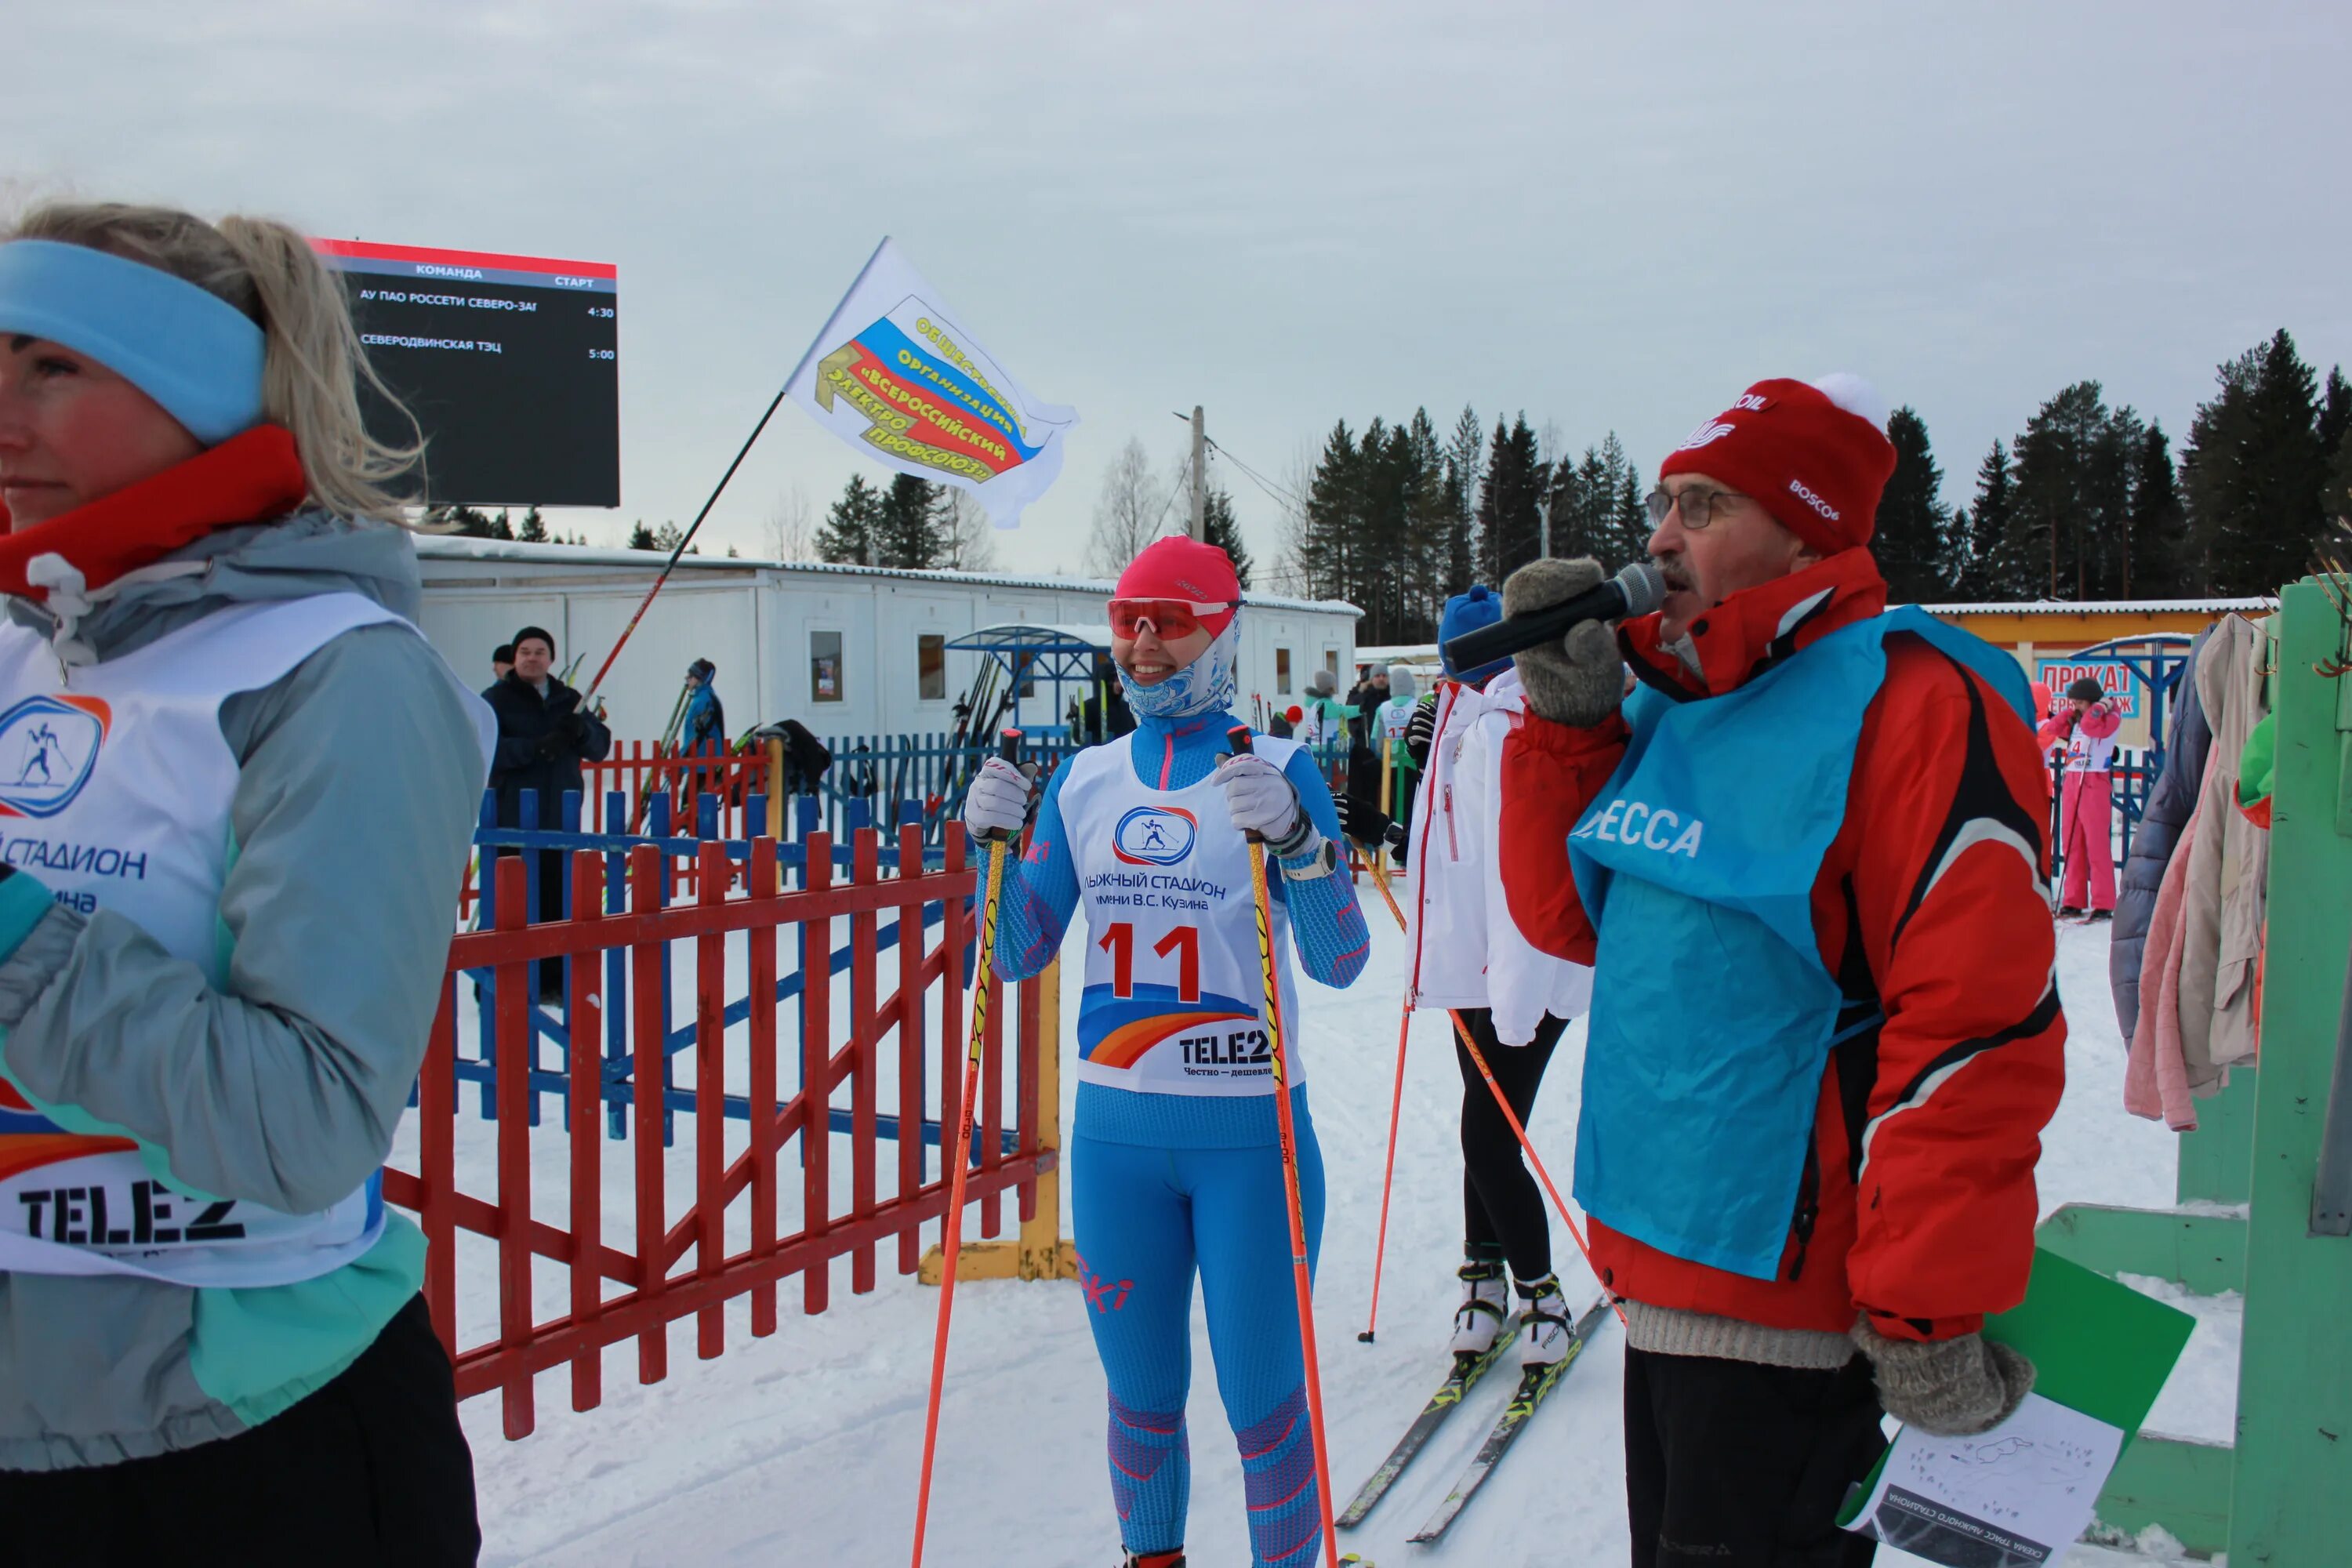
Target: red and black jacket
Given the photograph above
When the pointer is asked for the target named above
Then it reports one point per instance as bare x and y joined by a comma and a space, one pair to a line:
1918, 1204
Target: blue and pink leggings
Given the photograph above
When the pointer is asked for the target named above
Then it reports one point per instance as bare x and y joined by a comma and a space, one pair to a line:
1146, 1220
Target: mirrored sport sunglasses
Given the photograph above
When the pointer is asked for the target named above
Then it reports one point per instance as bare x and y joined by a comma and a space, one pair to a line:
1700, 506
1170, 619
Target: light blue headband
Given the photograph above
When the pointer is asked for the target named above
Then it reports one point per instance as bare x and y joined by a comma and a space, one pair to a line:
188, 349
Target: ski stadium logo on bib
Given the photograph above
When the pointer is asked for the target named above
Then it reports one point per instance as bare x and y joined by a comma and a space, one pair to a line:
1154, 835
49, 746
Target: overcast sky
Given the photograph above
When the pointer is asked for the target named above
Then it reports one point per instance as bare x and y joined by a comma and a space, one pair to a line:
1608, 216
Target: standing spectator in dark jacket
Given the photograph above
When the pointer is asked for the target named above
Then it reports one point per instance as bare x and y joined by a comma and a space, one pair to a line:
544, 735
703, 733
501, 661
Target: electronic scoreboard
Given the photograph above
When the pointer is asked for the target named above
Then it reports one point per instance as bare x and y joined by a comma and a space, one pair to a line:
510, 364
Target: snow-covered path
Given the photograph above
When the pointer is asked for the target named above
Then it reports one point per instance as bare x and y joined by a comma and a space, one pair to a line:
801, 1448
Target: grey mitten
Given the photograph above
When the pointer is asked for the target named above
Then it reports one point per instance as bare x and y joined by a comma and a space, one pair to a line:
1952, 1388
1579, 680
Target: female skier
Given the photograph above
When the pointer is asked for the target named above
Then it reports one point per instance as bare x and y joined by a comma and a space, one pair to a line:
239, 786
1469, 958
1174, 1165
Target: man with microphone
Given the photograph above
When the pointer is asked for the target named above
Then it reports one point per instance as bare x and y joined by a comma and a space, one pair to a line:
1805, 857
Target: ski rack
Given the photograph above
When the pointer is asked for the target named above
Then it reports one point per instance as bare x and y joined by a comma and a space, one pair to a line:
2247, 1181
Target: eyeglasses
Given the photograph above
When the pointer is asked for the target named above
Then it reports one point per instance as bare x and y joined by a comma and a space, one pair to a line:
1170, 620
1699, 505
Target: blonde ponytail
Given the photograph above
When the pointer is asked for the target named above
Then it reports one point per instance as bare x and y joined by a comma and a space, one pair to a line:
313, 365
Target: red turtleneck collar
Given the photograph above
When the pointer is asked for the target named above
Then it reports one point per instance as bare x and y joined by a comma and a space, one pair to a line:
1750, 630
252, 477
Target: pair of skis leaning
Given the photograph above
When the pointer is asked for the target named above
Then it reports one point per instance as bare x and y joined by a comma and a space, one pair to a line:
1535, 1384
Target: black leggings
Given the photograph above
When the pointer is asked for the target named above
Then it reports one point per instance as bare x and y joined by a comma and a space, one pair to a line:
371, 1471
1501, 1204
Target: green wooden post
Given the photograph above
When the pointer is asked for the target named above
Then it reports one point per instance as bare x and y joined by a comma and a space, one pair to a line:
2291, 1502
2217, 1161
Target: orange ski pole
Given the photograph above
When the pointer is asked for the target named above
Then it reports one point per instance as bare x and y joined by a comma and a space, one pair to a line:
1302, 1282
951, 1243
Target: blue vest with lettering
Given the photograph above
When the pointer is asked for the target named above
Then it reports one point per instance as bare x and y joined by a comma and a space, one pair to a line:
1713, 1015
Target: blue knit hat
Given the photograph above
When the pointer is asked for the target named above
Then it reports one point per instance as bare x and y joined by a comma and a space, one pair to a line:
1481, 606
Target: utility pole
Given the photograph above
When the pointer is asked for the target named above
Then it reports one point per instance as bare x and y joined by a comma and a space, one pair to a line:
1200, 474
1543, 528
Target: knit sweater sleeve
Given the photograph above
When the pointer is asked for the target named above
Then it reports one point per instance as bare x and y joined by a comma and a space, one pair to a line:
1040, 892
1327, 924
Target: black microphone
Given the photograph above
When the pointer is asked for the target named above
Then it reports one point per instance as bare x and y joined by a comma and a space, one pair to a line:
1635, 591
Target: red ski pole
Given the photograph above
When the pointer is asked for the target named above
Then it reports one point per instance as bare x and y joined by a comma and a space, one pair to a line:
1479, 1059
951, 1243
1302, 1282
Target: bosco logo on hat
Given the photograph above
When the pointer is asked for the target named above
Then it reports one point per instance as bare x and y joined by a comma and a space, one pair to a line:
1815, 454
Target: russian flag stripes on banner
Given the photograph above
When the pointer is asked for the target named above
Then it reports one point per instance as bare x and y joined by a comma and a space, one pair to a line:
896, 375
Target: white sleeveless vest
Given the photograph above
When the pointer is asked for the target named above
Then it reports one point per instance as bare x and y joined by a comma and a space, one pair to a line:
115, 787
1174, 995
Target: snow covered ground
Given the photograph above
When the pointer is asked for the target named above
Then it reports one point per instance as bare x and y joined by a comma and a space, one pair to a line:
801, 1448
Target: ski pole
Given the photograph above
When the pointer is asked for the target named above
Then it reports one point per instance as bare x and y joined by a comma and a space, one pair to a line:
1387, 1169
1380, 880
1478, 1059
951, 1243
1238, 737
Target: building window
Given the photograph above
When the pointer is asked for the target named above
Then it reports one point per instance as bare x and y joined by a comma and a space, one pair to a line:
1282, 672
931, 666
1332, 661
824, 667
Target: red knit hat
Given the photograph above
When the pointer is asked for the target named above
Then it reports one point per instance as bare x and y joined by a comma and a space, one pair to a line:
1181, 568
1816, 456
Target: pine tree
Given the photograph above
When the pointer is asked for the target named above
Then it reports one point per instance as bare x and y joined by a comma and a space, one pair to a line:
1466, 465
642, 538
1908, 535
1983, 573
2054, 509
2158, 520
907, 530
1326, 534
851, 529
535, 528
1219, 528
2253, 473
2335, 412
1509, 531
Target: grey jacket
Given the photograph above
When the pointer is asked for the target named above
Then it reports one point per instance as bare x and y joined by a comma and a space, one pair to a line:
359, 776
2169, 806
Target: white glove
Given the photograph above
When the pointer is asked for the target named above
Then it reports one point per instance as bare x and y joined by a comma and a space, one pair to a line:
998, 800
1262, 801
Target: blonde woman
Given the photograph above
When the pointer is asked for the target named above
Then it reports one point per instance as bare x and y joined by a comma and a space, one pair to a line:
235, 792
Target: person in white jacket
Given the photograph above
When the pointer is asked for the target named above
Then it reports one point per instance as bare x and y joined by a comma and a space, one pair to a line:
1468, 958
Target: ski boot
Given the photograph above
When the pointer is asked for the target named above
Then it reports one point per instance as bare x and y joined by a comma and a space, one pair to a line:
1544, 1321
1485, 1298
1156, 1559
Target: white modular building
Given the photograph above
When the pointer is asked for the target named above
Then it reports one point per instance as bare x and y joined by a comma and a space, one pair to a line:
847, 650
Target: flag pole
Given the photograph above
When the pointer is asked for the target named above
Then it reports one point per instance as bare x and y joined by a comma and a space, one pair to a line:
696, 527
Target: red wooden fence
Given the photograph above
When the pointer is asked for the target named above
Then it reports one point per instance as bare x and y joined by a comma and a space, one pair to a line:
673, 1269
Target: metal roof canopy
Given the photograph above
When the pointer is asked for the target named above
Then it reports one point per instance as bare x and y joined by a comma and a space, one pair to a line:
1032, 652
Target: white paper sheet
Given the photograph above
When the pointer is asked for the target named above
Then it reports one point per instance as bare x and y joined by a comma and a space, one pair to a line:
2015, 1497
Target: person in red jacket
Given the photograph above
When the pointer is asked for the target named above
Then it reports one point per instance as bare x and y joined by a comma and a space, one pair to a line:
1807, 859
2083, 728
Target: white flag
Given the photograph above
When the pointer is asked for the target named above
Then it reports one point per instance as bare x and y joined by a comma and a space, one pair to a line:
894, 374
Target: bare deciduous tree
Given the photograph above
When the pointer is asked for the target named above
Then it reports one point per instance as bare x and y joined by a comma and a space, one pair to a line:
790, 526
968, 538
1128, 511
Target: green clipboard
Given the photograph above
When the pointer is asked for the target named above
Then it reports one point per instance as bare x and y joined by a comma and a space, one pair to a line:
2097, 1346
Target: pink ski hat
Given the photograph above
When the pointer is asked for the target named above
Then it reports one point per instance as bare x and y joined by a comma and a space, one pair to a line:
1186, 569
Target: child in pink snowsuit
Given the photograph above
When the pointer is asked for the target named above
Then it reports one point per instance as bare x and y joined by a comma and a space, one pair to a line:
2086, 724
